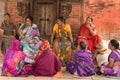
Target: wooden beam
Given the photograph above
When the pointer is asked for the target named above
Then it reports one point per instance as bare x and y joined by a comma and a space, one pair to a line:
82, 7
76, 1
58, 8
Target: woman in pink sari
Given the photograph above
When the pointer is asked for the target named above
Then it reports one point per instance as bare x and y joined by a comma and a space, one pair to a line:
88, 33
46, 63
13, 64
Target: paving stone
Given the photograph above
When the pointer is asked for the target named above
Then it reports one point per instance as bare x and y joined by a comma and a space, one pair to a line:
96, 77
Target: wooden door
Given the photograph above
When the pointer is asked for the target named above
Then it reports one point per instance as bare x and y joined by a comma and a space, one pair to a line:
45, 18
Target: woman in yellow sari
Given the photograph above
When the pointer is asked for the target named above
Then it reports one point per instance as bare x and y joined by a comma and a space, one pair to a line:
61, 40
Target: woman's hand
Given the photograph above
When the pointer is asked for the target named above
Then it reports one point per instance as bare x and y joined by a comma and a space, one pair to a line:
81, 37
73, 46
51, 45
25, 39
91, 28
12, 36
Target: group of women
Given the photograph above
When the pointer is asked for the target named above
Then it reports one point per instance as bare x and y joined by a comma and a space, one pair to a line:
31, 55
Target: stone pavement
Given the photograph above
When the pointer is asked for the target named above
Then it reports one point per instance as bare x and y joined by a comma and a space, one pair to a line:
65, 77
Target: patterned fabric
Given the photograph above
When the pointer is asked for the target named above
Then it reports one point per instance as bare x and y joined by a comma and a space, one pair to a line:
32, 34
115, 70
82, 64
43, 46
14, 60
64, 45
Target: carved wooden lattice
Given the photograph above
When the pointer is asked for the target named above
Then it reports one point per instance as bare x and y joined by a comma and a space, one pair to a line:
65, 9
23, 8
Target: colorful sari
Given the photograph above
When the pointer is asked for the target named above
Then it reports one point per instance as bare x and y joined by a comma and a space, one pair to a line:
32, 34
115, 70
92, 40
46, 63
14, 60
82, 64
62, 45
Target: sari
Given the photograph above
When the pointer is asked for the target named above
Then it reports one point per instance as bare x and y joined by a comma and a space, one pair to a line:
46, 63
82, 64
32, 34
91, 40
62, 46
13, 64
115, 70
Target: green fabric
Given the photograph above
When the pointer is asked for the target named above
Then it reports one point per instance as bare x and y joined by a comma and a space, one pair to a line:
21, 27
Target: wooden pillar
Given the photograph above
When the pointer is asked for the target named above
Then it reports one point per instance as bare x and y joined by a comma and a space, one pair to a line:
58, 8
6, 6
82, 10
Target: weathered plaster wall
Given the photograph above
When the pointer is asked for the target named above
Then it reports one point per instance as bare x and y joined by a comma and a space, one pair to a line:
106, 15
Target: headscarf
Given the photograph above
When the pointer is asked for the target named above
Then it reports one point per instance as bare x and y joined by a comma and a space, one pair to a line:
15, 46
43, 46
12, 59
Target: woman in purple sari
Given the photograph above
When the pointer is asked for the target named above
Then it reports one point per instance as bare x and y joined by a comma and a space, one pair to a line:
82, 64
113, 66
13, 64
46, 63
29, 35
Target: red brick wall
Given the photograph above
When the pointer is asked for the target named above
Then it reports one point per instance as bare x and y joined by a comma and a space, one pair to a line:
12, 9
106, 15
74, 18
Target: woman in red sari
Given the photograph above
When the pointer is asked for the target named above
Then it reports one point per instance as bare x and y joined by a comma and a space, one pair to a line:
88, 34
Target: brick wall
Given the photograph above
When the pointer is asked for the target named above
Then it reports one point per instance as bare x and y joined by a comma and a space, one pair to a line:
2, 10
74, 18
12, 9
106, 14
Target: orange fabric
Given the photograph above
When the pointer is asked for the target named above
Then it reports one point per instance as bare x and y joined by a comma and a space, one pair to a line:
91, 40
58, 74
66, 28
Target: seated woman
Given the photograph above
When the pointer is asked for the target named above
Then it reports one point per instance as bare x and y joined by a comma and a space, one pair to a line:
46, 62
88, 33
13, 64
29, 34
82, 64
113, 66
101, 54
62, 42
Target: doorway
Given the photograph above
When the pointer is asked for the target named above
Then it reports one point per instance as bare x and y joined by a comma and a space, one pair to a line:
45, 18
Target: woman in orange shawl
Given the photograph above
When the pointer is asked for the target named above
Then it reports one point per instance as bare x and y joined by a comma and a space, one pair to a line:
88, 33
